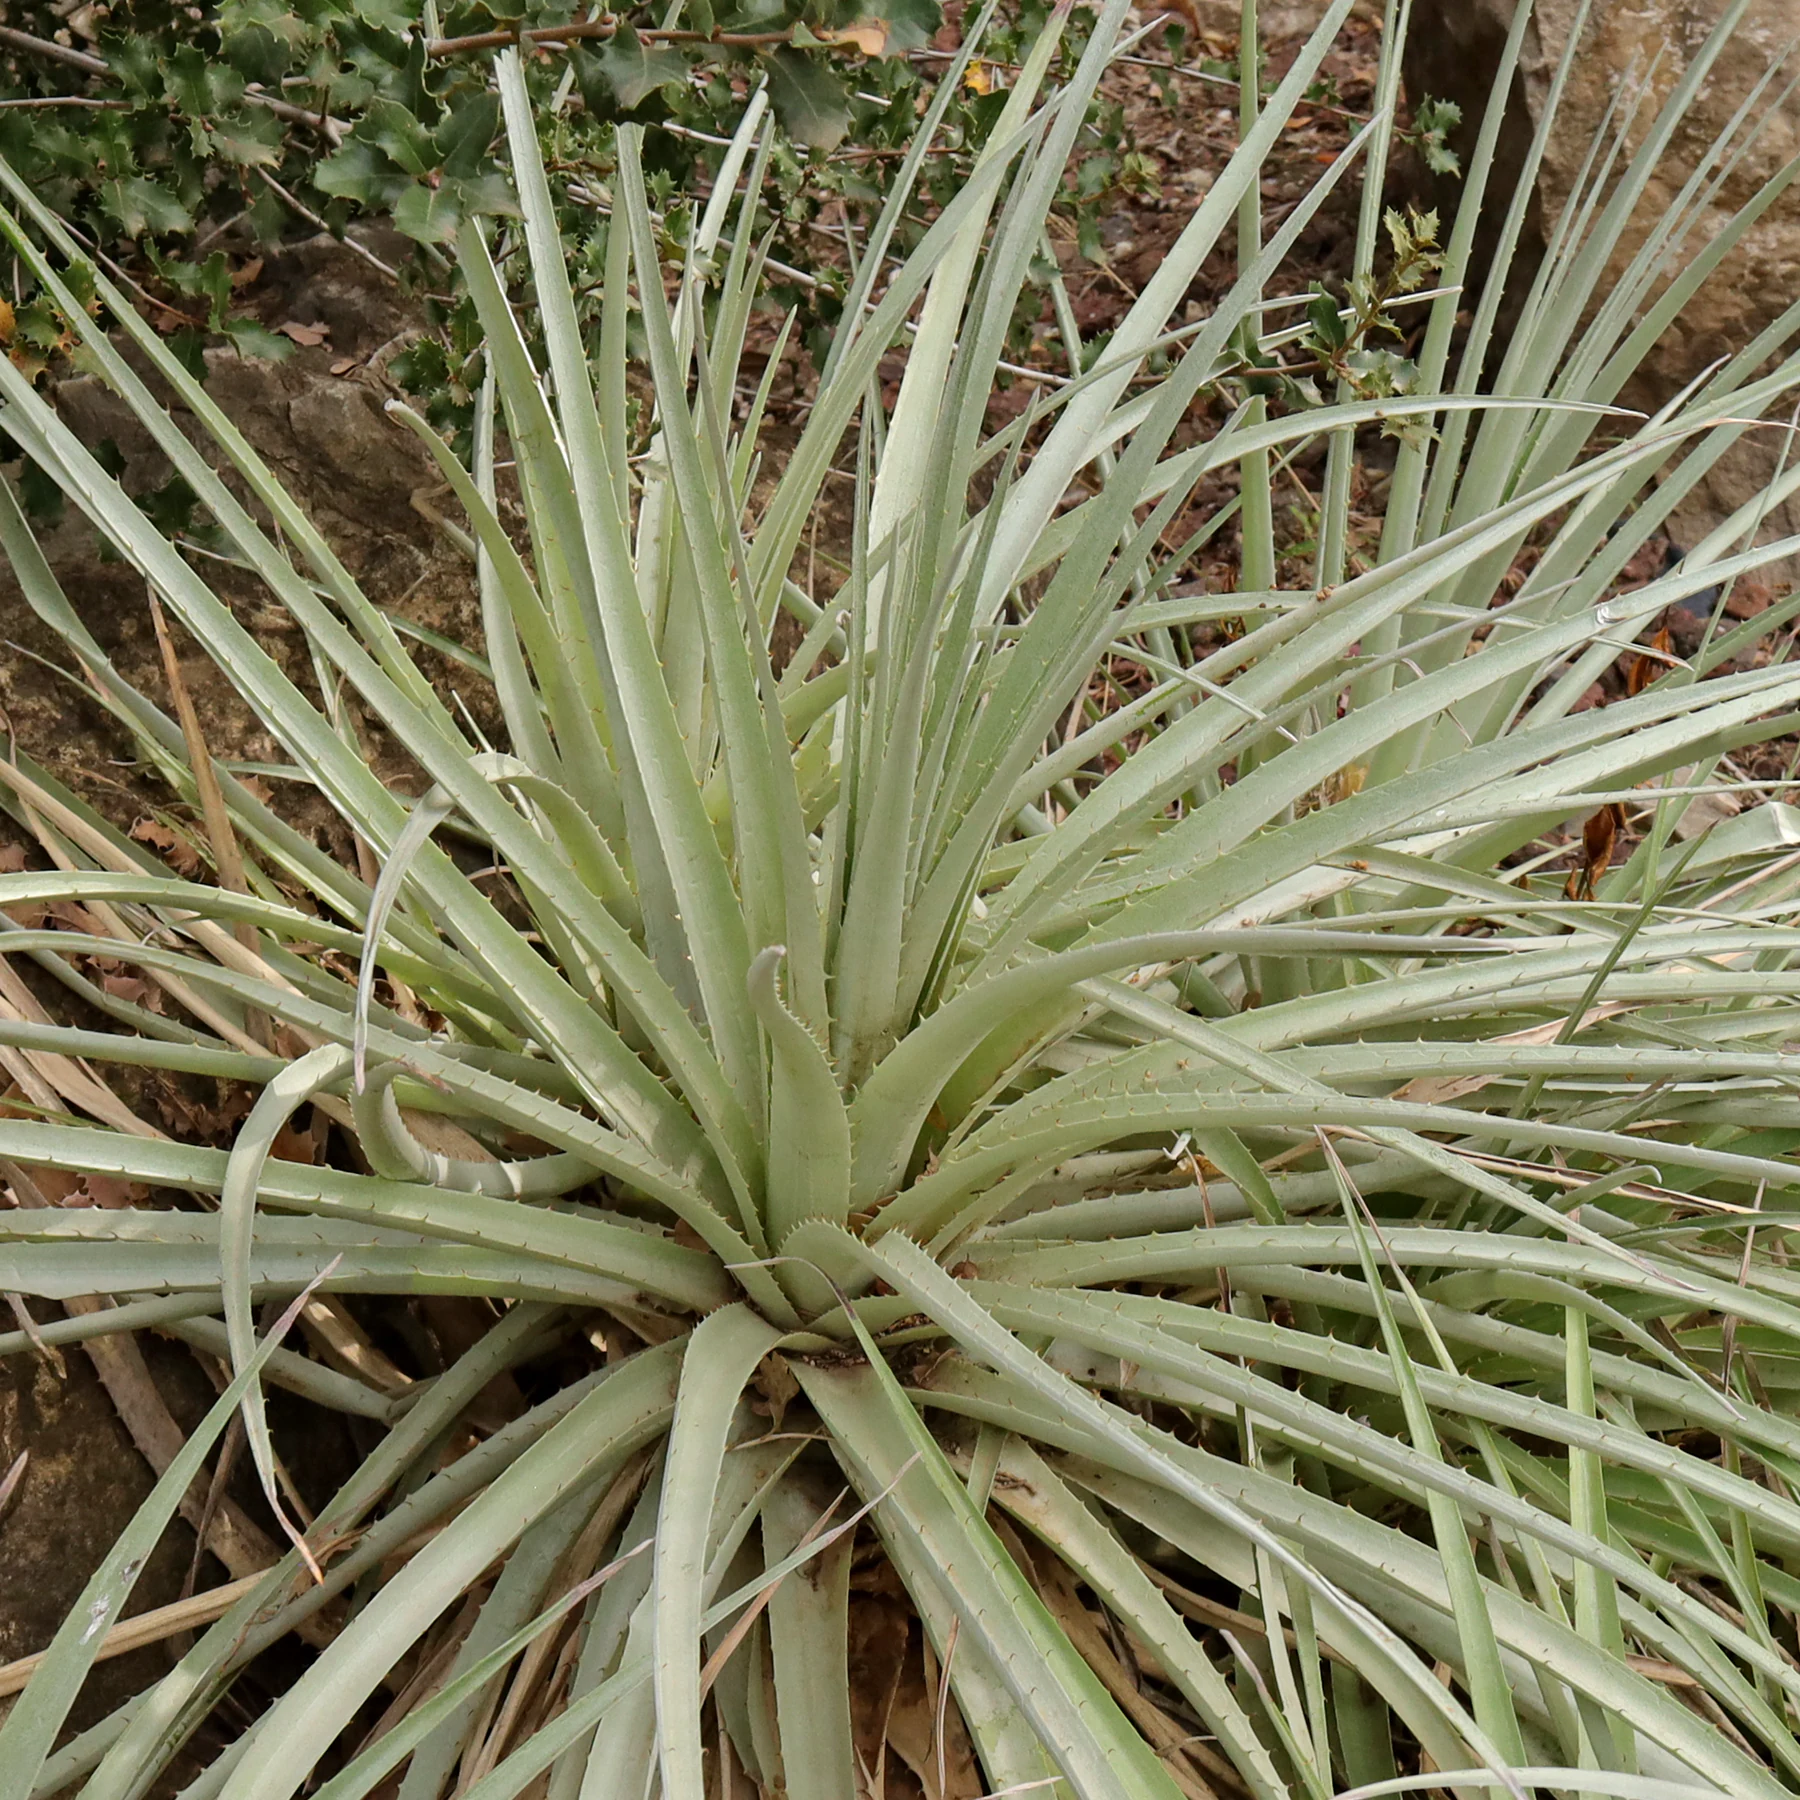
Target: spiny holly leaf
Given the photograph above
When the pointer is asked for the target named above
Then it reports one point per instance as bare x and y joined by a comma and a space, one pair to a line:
622, 74
462, 139
250, 140
255, 52
391, 15
1330, 328
134, 64
201, 87
138, 206
812, 103
1433, 122
398, 134
910, 23
1380, 374
431, 215
428, 215
359, 172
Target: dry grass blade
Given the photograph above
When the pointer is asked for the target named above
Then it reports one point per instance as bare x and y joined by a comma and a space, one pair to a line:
154, 1627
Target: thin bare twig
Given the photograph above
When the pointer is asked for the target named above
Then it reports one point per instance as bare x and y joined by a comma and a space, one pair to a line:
46, 101
305, 212
83, 60
553, 37
9, 1485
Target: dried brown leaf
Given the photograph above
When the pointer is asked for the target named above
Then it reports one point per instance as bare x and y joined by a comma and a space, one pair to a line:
869, 36
912, 1732
171, 846
108, 1192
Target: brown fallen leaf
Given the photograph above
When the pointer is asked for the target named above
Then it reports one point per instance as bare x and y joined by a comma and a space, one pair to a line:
1166, 1735
243, 276
869, 36
1547, 1032
343, 365
108, 1192
294, 1146
307, 336
133, 988
1598, 836
1647, 665
932, 1743
776, 1389
72, 916
876, 1656
1658, 1670
1440, 1090
175, 850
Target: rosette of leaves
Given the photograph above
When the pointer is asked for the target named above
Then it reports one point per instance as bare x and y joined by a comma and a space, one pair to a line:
1112, 1142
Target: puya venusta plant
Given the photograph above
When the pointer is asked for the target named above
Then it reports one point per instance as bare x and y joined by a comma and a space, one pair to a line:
1296, 1294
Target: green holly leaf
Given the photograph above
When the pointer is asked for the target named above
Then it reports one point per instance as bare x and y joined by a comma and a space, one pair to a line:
490, 194
267, 218
1378, 374
429, 215
188, 346
171, 507
1093, 174
209, 281
387, 15
250, 140
292, 26
358, 172
1329, 327
200, 87
138, 205
1433, 122
39, 495
910, 23
1087, 235
249, 338
621, 74
132, 58
255, 52
421, 365
79, 279
809, 100
397, 133
39, 324
468, 128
